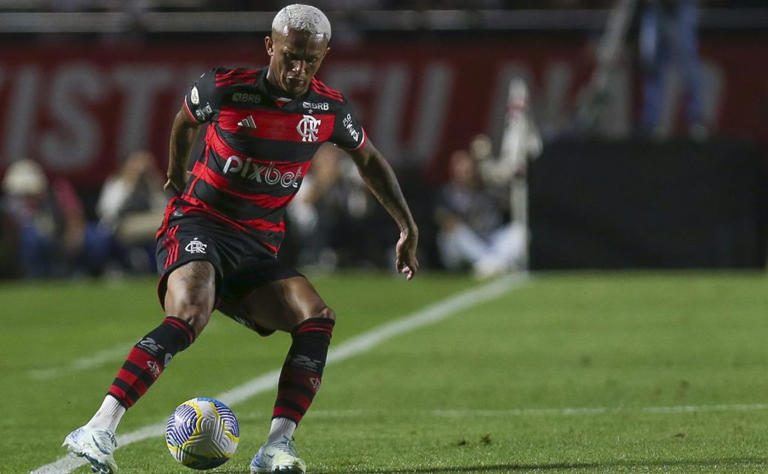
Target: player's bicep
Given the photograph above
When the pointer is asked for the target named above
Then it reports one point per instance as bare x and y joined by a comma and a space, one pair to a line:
201, 102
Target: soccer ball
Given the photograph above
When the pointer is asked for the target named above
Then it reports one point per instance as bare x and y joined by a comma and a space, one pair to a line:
202, 433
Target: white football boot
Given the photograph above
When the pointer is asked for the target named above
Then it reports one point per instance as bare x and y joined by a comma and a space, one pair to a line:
278, 456
94, 444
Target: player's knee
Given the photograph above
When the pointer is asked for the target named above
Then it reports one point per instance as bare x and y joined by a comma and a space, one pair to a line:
195, 314
193, 307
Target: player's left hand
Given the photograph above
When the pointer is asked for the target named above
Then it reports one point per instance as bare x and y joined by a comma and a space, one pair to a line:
406, 261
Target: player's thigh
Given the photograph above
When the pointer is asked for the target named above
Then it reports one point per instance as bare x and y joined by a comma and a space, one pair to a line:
279, 305
191, 293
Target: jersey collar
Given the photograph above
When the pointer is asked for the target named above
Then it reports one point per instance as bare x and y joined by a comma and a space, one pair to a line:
271, 91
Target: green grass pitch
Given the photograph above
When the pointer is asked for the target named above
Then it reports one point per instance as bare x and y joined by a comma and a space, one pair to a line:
581, 372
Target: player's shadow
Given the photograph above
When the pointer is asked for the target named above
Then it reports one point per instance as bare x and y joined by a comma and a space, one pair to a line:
602, 466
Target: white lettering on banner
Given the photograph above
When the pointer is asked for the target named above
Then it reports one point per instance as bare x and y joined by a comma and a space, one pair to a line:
75, 115
77, 137
140, 85
389, 112
426, 131
430, 120
20, 113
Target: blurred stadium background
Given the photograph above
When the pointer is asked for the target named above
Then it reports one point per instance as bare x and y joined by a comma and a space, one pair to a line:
550, 135
615, 158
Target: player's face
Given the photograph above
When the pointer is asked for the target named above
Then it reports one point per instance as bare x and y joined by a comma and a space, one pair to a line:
294, 58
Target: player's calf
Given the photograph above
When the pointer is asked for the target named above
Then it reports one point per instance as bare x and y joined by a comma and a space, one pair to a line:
149, 357
299, 382
303, 368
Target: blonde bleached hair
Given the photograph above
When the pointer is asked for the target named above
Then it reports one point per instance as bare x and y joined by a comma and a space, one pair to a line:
300, 17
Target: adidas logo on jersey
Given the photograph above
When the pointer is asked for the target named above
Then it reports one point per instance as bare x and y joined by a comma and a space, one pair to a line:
247, 122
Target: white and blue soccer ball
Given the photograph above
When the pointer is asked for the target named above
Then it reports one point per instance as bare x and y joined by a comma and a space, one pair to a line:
202, 433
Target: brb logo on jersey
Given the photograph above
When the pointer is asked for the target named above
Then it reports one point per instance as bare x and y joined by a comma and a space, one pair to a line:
308, 128
259, 172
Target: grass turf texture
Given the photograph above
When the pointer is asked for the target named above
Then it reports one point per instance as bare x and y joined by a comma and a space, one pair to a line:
483, 391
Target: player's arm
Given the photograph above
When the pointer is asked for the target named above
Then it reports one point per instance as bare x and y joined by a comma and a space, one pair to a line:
381, 180
201, 105
183, 134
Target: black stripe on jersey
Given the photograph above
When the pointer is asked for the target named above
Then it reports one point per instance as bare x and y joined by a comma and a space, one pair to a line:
278, 150
236, 208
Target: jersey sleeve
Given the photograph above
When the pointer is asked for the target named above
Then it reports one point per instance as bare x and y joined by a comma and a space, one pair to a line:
202, 100
348, 132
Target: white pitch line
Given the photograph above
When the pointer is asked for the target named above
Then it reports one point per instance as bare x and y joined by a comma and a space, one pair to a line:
533, 412
85, 363
353, 346
574, 411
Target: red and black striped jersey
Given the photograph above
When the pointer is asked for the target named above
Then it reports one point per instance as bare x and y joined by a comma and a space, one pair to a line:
259, 147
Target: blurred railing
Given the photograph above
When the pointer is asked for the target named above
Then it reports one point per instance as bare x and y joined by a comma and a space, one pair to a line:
150, 21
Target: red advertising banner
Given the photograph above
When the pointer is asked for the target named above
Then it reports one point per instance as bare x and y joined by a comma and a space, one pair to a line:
79, 110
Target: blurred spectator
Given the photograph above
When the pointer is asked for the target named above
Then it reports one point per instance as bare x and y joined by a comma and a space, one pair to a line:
471, 224
314, 211
51, 232
332, 212
131, 206
668, 35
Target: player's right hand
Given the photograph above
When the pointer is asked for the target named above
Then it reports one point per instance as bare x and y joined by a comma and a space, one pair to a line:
405, 252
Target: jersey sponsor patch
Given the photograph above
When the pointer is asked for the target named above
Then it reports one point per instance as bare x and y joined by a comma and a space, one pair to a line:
349, 124
246, 97
194, 96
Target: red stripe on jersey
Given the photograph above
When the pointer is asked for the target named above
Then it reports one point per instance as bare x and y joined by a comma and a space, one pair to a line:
221, 183
189, 112
261, 224
237, 80
215, 142
318, 82
362, 143
172, 245
277, 125
202, 208
319, 87
234, 73
168, 210
330, 96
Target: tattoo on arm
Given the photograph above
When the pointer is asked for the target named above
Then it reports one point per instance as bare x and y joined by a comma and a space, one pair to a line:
382, 182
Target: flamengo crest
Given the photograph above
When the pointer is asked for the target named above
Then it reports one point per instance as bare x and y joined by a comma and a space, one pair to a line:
307, 128
195, 246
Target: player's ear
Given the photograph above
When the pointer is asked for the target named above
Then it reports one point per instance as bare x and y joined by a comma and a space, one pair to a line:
269, 45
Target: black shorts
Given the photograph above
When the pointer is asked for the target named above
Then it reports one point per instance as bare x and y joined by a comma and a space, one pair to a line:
241, 263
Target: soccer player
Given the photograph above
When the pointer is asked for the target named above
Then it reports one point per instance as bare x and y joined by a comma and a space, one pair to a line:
220, 236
